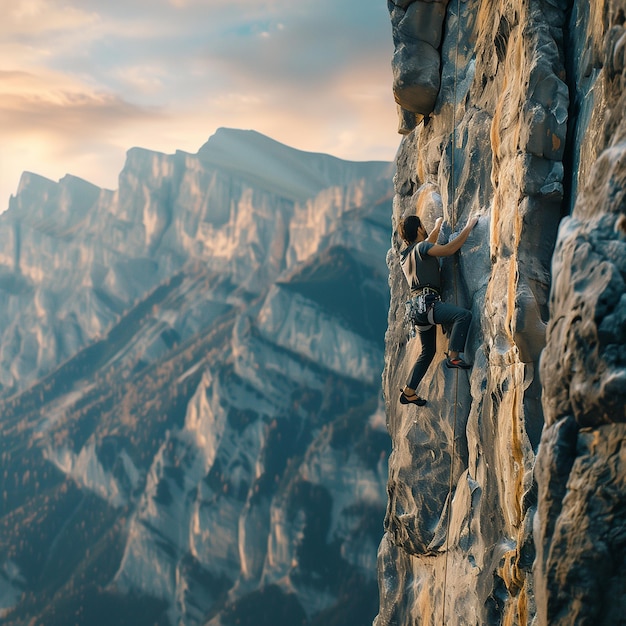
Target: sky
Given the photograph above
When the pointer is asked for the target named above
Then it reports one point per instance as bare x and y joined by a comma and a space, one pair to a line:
83, 81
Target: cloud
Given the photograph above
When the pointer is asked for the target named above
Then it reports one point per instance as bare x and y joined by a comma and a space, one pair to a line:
298, 44
32, 18
51, 105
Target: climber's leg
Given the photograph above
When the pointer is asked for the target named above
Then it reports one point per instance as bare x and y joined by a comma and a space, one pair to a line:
460, 319
428, 338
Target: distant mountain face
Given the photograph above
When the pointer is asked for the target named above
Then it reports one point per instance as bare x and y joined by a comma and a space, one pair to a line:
190, 370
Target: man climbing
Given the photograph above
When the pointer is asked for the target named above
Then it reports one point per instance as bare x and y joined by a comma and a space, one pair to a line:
420, 264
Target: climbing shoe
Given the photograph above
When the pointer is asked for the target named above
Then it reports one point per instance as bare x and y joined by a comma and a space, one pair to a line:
414, 399
458, 363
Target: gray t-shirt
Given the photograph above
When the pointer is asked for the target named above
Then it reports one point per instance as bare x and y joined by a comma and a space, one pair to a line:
421, 269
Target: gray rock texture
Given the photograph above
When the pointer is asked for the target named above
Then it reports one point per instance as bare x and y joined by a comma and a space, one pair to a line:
506, 490
581, 516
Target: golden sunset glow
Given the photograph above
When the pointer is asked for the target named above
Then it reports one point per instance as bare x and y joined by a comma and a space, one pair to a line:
82, 82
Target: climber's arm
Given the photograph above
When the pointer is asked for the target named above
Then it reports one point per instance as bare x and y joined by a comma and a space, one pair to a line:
453, 246
434, 233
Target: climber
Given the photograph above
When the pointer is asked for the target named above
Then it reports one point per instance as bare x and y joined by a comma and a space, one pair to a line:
421, 267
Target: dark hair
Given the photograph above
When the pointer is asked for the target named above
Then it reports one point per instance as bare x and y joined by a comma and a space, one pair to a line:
409, 227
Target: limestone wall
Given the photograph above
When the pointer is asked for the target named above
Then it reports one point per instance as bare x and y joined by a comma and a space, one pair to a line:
512, 110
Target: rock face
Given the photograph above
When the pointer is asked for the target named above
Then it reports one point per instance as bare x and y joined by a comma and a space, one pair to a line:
506, 491
190, 425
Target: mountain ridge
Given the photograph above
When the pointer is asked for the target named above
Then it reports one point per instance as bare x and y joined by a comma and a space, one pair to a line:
174, 417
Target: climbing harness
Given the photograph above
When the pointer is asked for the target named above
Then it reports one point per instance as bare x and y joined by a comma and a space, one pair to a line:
416, 306
456, 386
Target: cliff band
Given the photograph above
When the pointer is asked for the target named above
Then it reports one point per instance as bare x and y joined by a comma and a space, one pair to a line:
506, 491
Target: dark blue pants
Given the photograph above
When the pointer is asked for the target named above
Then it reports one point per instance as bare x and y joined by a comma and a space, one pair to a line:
444, 314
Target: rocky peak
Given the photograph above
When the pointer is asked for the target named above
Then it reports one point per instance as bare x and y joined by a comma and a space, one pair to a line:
245, 206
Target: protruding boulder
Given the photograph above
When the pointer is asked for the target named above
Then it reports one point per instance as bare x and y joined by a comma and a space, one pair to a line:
416, 81
417, 29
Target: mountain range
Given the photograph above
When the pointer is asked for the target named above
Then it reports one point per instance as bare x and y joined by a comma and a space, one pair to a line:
191, 423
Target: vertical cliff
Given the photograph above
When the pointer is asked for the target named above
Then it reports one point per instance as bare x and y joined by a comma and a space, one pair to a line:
506, 490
